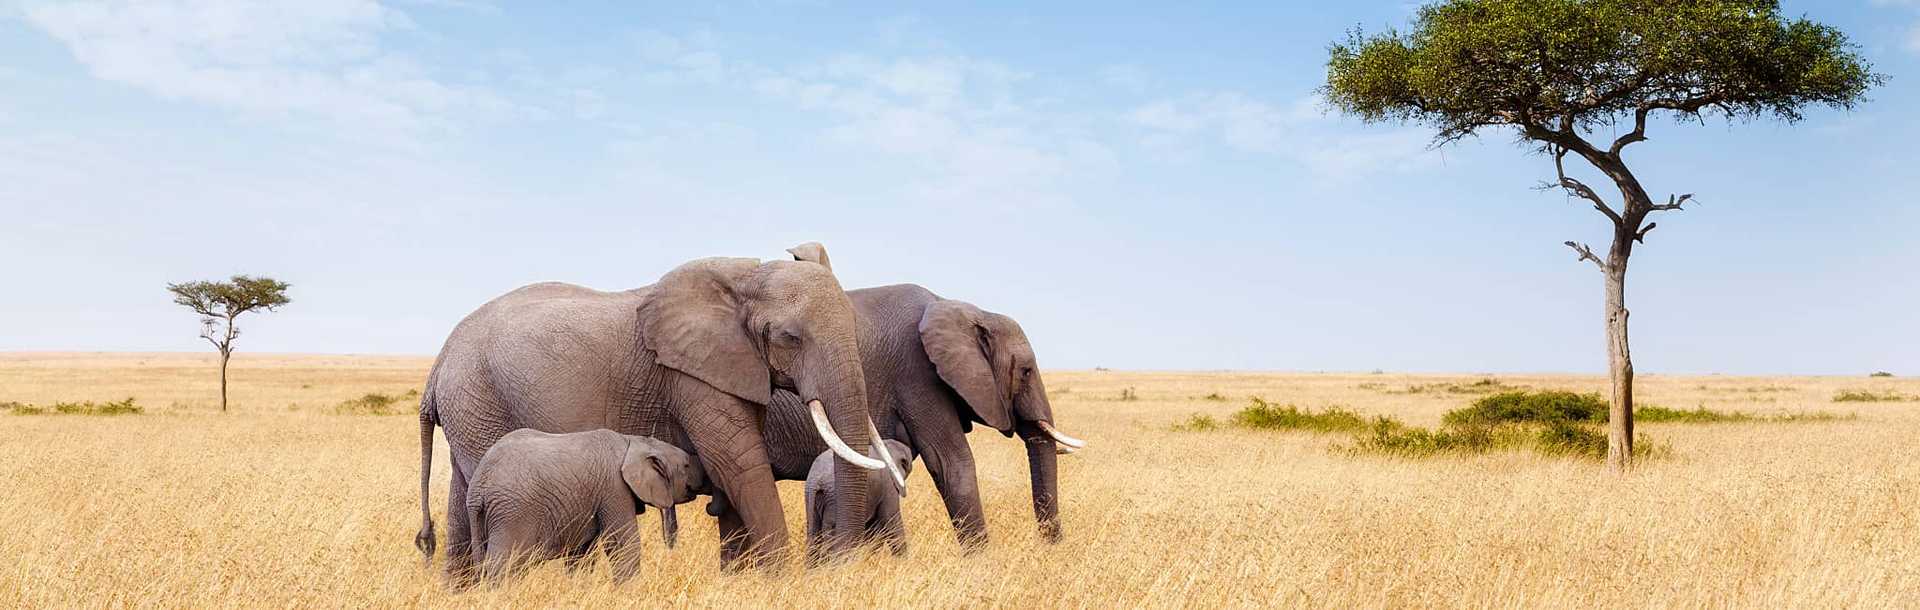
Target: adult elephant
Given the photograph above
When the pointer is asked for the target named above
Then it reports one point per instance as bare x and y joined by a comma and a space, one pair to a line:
692, 359
935, 367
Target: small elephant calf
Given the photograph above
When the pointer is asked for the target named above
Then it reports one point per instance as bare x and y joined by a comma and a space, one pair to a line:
882, 500
537, 496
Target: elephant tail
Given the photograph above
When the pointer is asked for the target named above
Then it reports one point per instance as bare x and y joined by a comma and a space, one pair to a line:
428, 417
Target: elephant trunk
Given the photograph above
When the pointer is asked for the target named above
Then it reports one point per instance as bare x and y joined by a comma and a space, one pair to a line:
1043, 470
845, 400
669, 526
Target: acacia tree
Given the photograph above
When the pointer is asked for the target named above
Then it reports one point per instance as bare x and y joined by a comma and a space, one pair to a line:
219, 303
1556, 71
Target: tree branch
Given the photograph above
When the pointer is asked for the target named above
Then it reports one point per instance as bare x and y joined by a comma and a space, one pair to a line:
1579, 188
1639, 134
1642, 235
1586, 254
1673, 203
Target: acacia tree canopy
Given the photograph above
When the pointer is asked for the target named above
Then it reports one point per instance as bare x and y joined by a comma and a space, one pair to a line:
1556, 67
231, 298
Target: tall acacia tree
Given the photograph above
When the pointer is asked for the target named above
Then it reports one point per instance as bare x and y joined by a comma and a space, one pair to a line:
219, 303
1555, 71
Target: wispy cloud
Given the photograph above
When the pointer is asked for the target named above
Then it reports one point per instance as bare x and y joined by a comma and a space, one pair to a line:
1295, 130
317, 58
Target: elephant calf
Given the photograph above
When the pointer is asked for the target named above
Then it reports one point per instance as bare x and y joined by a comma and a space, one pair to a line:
537, 496
882, 503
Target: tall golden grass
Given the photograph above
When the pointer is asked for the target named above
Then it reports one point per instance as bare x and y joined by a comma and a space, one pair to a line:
283, 503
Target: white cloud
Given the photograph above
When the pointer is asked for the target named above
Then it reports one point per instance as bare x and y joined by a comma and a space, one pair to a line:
962, 121
320, 58
1296, 131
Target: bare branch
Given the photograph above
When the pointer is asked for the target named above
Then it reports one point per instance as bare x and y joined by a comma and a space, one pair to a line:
1586, 254
1691, 105
1673, 203
1579, 188
1642, 235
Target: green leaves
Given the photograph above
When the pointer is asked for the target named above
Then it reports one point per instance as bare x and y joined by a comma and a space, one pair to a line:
1563, 65
231, 298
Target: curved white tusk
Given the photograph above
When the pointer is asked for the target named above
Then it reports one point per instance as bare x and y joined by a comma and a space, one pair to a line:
879, 444
1058, 437
838, 446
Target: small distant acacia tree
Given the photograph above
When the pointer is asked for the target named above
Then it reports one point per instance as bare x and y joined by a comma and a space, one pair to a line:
220, 303
1553, 71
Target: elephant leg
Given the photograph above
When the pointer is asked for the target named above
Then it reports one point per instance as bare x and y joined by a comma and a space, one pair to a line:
459, 536
892, 528
950, 465
733, 539
620, 536
726, 434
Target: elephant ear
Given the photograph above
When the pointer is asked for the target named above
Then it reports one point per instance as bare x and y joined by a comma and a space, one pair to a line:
646, 473
695, 322
811, 252
961, 350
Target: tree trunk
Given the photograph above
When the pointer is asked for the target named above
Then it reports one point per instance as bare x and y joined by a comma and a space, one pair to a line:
1619, 359
224, 355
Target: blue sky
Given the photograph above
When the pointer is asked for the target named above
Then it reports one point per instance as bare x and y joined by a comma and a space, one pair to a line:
1141, 187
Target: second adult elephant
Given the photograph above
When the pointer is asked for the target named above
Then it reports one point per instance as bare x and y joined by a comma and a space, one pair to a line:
934, 368
690, 360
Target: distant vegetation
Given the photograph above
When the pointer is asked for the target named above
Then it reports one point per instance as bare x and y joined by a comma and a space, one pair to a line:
374, 403
1881, 374
1551, 422
1872, 396
112, 407
1484, 386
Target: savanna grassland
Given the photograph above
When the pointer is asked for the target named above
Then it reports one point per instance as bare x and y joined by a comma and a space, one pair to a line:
286, 501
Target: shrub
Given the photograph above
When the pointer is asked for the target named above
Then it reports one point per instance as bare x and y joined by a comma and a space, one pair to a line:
1127, 395
1870, 396
1521, 406
1262, 415
111, 407
1699, 415
1881, 374
1216, 397
1197, 423
1566, 438
1388, 436
371, 404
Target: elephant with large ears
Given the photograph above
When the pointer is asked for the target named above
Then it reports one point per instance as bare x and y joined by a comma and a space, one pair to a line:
692, 359
935, 367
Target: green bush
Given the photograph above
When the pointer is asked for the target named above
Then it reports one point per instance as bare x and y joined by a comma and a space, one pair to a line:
1567, 438
371, 404
1699, 415
1871, 396
1197, 423
1390, 437
111, 407
1262, 415
1531, 407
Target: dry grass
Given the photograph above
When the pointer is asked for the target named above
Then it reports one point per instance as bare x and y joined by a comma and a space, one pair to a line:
283, 503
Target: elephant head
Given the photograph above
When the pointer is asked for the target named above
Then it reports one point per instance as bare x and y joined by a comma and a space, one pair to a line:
744, 328
661, 476
986, 359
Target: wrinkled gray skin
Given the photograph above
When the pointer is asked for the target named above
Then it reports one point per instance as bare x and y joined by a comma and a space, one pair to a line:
934, 368
537, 496
883, 522
692, 359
